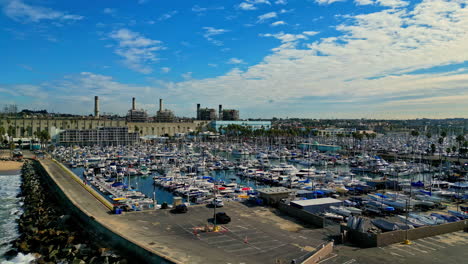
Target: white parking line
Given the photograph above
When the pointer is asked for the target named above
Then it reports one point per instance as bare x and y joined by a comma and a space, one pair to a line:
395, 254
422, 245
349, 261
240, 249
269, 249
258, 242
221, 241
391, 252
414, 246
431, 243
333, 256
395, 247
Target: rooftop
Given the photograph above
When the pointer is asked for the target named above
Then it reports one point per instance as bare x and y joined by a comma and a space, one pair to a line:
318, 201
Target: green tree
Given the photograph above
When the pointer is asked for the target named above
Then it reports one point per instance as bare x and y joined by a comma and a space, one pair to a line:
433, 148
460, 139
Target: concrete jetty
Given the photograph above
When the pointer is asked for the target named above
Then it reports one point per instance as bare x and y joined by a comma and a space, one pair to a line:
255, 234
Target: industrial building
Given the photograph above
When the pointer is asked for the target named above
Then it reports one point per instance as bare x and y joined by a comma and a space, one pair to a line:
136, 115
26, 127
102, 136
209, 114
164, 115
206, 113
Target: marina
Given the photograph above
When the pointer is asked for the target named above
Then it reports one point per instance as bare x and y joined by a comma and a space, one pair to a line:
149, 176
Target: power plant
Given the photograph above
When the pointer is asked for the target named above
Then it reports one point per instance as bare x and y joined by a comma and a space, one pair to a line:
135, 115
209, 114
164, 115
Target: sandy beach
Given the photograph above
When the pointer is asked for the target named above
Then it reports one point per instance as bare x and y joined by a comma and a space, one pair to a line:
6, 166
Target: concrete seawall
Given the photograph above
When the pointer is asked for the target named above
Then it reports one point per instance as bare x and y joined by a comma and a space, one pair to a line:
398, 236
93, 217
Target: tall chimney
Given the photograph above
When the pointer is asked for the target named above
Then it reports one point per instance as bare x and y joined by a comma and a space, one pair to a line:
220, 114
198, 111
133, 104
96, 106
160, 105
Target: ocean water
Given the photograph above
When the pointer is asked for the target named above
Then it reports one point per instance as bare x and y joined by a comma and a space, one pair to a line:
10, 211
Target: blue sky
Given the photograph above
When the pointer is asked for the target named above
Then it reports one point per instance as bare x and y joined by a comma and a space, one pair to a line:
283, 58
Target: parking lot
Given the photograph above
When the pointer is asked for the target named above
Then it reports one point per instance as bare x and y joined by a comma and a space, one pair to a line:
254, 235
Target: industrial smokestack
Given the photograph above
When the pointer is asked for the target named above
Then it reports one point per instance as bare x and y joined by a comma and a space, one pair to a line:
220, 114
160, 105
198, 111
96, 106
133, 104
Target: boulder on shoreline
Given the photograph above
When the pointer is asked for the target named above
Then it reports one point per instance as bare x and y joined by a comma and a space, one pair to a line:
48, 231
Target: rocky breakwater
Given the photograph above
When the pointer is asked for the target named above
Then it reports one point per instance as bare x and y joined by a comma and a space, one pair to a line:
49, 233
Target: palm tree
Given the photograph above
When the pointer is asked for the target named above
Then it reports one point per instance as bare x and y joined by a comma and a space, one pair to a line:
460, 139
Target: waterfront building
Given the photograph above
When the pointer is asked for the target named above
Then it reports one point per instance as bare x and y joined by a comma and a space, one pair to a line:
319, 147
254, 125
103, 136
335, 131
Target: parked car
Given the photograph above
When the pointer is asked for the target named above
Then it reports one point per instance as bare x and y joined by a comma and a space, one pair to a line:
222, 218
180, 209
217, 202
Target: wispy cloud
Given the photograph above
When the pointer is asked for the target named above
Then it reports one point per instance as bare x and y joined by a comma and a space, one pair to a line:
247, 6
168, 15
165, 69
138, 51
266, 16
22, 12
327, 2
278, 23
211, 31
235, 61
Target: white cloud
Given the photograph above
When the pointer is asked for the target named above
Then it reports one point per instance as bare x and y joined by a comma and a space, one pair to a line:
286, 37
327, 2
187, 75
371, 62
266, 16
235, 61
165, 69
137, 50
166, 16
281, 2
278, 23
247, 6
19, 11
364, 2
210, 32
310, 33
392, 3
364, 64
